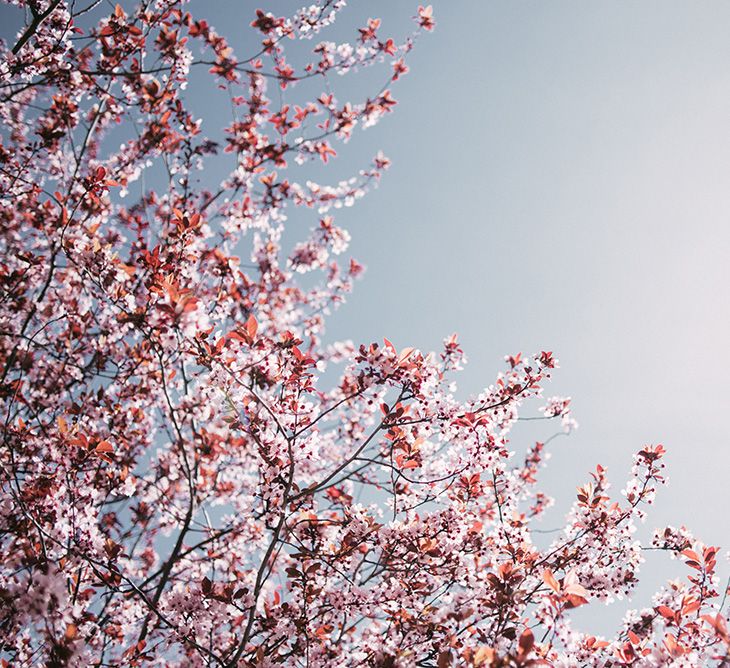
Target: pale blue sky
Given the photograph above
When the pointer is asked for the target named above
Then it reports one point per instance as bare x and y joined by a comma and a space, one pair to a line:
560, 181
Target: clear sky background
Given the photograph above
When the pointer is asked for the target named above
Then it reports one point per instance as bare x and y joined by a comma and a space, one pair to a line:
560, 181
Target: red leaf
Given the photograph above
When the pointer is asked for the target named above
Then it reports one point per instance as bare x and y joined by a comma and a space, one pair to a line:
444, 659
526, 642
691, 554
550, 580
666, 612
103, 450
251, 328
404, 355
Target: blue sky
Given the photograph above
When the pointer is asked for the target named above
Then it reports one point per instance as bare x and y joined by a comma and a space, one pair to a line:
560, 182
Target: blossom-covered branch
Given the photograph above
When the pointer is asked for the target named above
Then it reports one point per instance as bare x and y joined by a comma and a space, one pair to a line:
181, 484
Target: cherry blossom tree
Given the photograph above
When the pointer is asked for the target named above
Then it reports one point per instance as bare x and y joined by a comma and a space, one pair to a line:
181, 485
